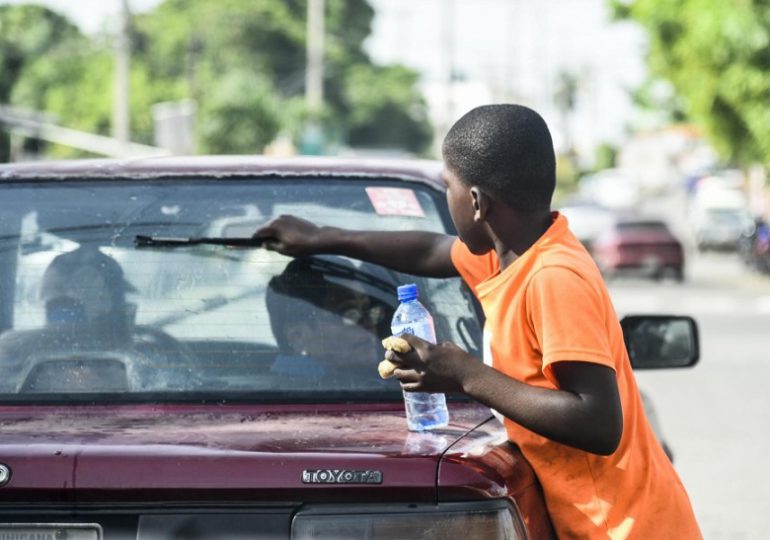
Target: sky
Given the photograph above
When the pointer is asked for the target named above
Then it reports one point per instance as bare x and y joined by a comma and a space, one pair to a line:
517, 48
499, 50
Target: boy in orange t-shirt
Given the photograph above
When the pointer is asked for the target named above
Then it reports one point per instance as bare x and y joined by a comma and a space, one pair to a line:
555, 365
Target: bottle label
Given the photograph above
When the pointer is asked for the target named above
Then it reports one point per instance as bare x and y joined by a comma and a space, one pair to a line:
421, 329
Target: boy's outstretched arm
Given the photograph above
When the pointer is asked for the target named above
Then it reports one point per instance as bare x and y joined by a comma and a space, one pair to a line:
584, 412
413, 252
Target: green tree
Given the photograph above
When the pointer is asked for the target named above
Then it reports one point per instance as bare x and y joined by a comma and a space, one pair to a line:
75, 83
565, 99
27, 33
386, 110
716, 55
201, 42
606, 156
241, 116
70, 75
242, 61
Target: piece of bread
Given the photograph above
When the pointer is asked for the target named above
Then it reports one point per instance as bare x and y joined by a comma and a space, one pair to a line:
386, 369
397, 344
392, 343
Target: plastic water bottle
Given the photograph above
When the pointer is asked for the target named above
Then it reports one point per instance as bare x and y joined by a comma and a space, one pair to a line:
423, 410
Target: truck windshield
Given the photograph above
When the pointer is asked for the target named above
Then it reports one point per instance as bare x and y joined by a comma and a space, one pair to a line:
86, 314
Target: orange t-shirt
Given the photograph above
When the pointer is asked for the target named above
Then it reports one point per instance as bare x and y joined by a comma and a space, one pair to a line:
551, 305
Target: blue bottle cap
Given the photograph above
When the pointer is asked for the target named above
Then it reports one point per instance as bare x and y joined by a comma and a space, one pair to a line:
407, 292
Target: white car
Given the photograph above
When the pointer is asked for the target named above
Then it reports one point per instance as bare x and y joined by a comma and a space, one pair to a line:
719, 216
612, 188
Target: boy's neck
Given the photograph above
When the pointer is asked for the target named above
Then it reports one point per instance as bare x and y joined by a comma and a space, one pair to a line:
516, 232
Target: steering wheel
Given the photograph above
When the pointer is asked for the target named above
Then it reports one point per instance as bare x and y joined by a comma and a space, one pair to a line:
148, 336
84, 371
167, 354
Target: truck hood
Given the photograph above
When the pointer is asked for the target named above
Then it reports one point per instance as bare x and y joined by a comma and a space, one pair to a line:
226, 452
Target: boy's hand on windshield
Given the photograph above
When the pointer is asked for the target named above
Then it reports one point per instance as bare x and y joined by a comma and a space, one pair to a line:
290, 235
432, 368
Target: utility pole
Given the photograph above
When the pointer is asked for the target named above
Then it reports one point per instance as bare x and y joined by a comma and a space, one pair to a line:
515, 44
121, 127
312, 141
448, 45
445, 118
315, 56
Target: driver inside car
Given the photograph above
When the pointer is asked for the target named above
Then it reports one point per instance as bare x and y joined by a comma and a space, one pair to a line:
87, 289
325, 325
89, 327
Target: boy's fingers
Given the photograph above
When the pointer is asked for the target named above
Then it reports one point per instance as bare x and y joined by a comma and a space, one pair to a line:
404, 349
406, 376
267, 229
413, 340
403, 343
409, 380
402, 360
272, 245
409, 359
264, 232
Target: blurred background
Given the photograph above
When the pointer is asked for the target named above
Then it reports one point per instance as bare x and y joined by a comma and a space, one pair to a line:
660, 111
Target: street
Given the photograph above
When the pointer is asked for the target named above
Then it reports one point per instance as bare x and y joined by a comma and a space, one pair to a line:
716, 415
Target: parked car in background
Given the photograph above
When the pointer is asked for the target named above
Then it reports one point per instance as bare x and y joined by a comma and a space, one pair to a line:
720, 228
719, 211
638, 245
161, 377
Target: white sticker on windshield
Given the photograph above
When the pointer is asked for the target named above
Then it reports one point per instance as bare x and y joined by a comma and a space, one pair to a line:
389, 201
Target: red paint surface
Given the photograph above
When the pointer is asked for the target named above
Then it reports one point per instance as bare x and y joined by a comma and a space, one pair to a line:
200, 452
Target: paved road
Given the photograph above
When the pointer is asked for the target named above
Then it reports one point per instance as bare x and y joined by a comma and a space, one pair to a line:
716, 416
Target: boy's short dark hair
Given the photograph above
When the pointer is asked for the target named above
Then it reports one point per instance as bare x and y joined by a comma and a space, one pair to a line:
506, 150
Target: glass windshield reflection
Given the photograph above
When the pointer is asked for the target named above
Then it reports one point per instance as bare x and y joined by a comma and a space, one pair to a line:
86, 312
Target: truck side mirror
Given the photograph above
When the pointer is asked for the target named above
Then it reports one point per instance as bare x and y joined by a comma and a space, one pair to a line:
661, 341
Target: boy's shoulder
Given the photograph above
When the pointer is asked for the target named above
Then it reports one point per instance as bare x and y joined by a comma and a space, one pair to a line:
563, 249
565, 261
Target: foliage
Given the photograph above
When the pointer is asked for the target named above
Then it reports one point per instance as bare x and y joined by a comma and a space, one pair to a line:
386, 109
204, 40
28, 32
606, 156
242, 61
567, 175
565, 96
716, 54
242, 115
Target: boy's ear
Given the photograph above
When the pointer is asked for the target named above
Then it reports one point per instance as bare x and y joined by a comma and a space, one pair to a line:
480, 203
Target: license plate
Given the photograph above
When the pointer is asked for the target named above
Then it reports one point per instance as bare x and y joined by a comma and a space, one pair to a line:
50, 531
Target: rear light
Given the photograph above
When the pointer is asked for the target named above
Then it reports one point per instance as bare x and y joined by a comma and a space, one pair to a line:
451, 521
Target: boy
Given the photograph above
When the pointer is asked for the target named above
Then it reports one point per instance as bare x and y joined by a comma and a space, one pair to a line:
555, 365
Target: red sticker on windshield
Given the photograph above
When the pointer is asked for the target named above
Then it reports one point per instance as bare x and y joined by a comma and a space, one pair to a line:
389, 201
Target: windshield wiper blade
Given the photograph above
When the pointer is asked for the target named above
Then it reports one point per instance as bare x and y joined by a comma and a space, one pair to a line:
182, 241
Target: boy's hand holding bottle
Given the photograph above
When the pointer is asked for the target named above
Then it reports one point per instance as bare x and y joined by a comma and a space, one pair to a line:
431, 368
